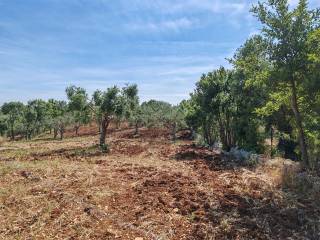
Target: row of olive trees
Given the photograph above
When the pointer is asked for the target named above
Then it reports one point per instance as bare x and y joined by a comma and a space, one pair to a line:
274, 84
118, 105
112, 105
36, 117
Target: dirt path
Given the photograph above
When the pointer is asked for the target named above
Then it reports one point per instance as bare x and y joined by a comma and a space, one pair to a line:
145, 188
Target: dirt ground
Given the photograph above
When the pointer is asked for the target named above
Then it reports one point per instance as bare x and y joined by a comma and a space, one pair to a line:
146, 187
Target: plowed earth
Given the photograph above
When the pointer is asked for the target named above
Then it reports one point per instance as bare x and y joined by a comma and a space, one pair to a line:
145, 188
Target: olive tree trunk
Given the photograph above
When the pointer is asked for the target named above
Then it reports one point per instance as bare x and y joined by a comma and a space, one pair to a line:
76, 128
136, 131
61, 130
174, 130
12, 133
55, 133
103, 131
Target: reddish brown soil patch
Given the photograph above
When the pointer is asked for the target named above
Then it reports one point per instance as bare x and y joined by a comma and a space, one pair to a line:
144, 187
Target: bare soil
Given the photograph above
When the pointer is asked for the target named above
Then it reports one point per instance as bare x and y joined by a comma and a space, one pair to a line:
145, 187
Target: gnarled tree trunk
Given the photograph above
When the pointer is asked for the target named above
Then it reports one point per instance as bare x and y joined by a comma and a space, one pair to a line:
136, 131
61, 130
103, 131
12, 133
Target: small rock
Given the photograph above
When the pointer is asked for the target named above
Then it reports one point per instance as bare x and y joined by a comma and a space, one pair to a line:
138, 238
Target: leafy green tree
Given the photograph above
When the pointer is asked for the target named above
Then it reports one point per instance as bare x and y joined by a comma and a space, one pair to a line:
13, 111
174, 119
29, 120
132, 110
58, 117
216, 106
311, 103
162, 114
94, 105
62, 121
222, 108
3, 124
39, 108
251, 71
78, 106
153, 113
286, 32
107, 105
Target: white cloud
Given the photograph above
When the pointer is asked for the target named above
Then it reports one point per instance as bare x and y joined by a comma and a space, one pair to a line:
168, 25
216, 6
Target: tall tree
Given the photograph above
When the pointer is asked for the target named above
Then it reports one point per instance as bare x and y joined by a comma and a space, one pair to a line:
287, 32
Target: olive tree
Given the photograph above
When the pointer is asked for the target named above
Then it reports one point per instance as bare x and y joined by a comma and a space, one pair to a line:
13, 111
78, 106
132, 110
174, 119
58, 117
29, 120
106, 106
3, 124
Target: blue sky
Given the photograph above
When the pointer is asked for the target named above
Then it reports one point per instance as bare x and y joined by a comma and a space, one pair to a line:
162, 45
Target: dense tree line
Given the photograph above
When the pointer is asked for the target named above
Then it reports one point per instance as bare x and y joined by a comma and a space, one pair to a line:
271, 92
274, 85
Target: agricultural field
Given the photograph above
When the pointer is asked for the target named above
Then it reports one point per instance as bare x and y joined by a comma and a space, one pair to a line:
145, 187
160, 120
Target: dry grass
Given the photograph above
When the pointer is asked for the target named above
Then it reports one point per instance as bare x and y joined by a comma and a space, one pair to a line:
144, 187
2, 140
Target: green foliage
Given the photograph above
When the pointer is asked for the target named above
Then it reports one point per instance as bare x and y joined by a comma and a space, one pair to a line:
3, 124
78, 106
292, 43
154, 112
13, 112
273, 87
222, 107
314, 46
58, 117
162, 114
131, 108
108, 105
